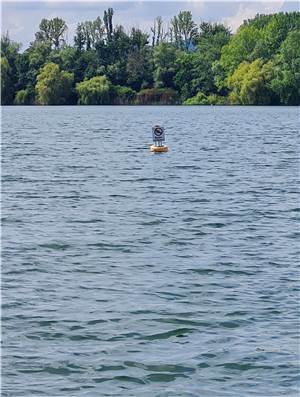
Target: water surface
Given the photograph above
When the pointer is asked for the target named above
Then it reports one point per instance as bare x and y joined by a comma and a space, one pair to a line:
127, 273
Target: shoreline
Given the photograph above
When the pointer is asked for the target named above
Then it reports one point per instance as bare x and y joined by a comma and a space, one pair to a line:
153, 105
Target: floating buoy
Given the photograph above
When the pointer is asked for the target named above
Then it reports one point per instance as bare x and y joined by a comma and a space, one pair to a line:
158, 134
158, 149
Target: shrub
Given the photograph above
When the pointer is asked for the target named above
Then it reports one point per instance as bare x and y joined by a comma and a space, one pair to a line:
24, 97
157, 96
202, 99
123, 95
95, 91
54, 87
199, 99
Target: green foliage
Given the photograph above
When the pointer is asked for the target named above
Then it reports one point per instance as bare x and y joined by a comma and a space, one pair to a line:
287, 71
239, 48
52, 31
199, 99
274, 30
96, 91
260, 37
195, 71
139, 69
180, 62
164, 58
184, 30
202, 99
251, 83
65, 57
38, 54
9, 76
24, 97
157, 96
123, 95
54, 87
5, 82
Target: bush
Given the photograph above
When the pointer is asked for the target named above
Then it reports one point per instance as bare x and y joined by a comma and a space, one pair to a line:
214, 99
123, 95
157, 96
199, 99
95, 91
251, 83
54, 86
202, 99
233, 98
24, 97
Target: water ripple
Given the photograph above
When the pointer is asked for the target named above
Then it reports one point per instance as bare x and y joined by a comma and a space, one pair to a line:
130, 274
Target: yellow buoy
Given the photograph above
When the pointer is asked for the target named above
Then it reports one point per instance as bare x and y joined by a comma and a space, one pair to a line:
158, 149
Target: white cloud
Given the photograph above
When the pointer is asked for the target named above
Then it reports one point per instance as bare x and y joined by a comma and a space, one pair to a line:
249, 10
21, 17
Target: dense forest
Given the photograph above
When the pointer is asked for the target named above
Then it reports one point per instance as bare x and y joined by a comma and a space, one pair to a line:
183, 63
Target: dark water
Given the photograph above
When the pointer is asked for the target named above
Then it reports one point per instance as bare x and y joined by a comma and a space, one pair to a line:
127, 273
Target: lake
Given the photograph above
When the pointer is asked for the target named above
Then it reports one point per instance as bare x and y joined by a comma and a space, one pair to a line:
128, 273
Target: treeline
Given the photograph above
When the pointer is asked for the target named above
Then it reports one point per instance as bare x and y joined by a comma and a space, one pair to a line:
186, 63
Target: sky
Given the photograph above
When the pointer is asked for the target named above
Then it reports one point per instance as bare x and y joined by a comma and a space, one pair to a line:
21, 18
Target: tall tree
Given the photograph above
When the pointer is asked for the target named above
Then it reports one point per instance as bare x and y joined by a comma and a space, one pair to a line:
52, 31
185, 30
157, 31
79, 38
108, 22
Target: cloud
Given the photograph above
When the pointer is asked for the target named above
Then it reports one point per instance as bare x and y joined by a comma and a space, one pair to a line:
249, 10
21, 18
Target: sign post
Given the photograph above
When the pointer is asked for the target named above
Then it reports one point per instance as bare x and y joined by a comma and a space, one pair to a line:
158, 135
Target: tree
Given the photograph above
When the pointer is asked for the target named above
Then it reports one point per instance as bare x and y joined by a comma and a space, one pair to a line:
52, 31
203, 63
184, 78
9, 71
157, 31
184, 29
107, 18
240, 48
79, 38
6, 91
139, 70
123, 95
195, 70
251, 82
164, 57
25, 96
96, 91
208, 52
207, 29
287, 70
274, 30
65, 57
54, 87
139, 67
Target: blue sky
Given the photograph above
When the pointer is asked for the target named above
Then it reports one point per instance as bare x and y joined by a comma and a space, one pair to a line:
21, 18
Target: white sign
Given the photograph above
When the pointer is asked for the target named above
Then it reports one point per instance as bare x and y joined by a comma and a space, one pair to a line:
158, 133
